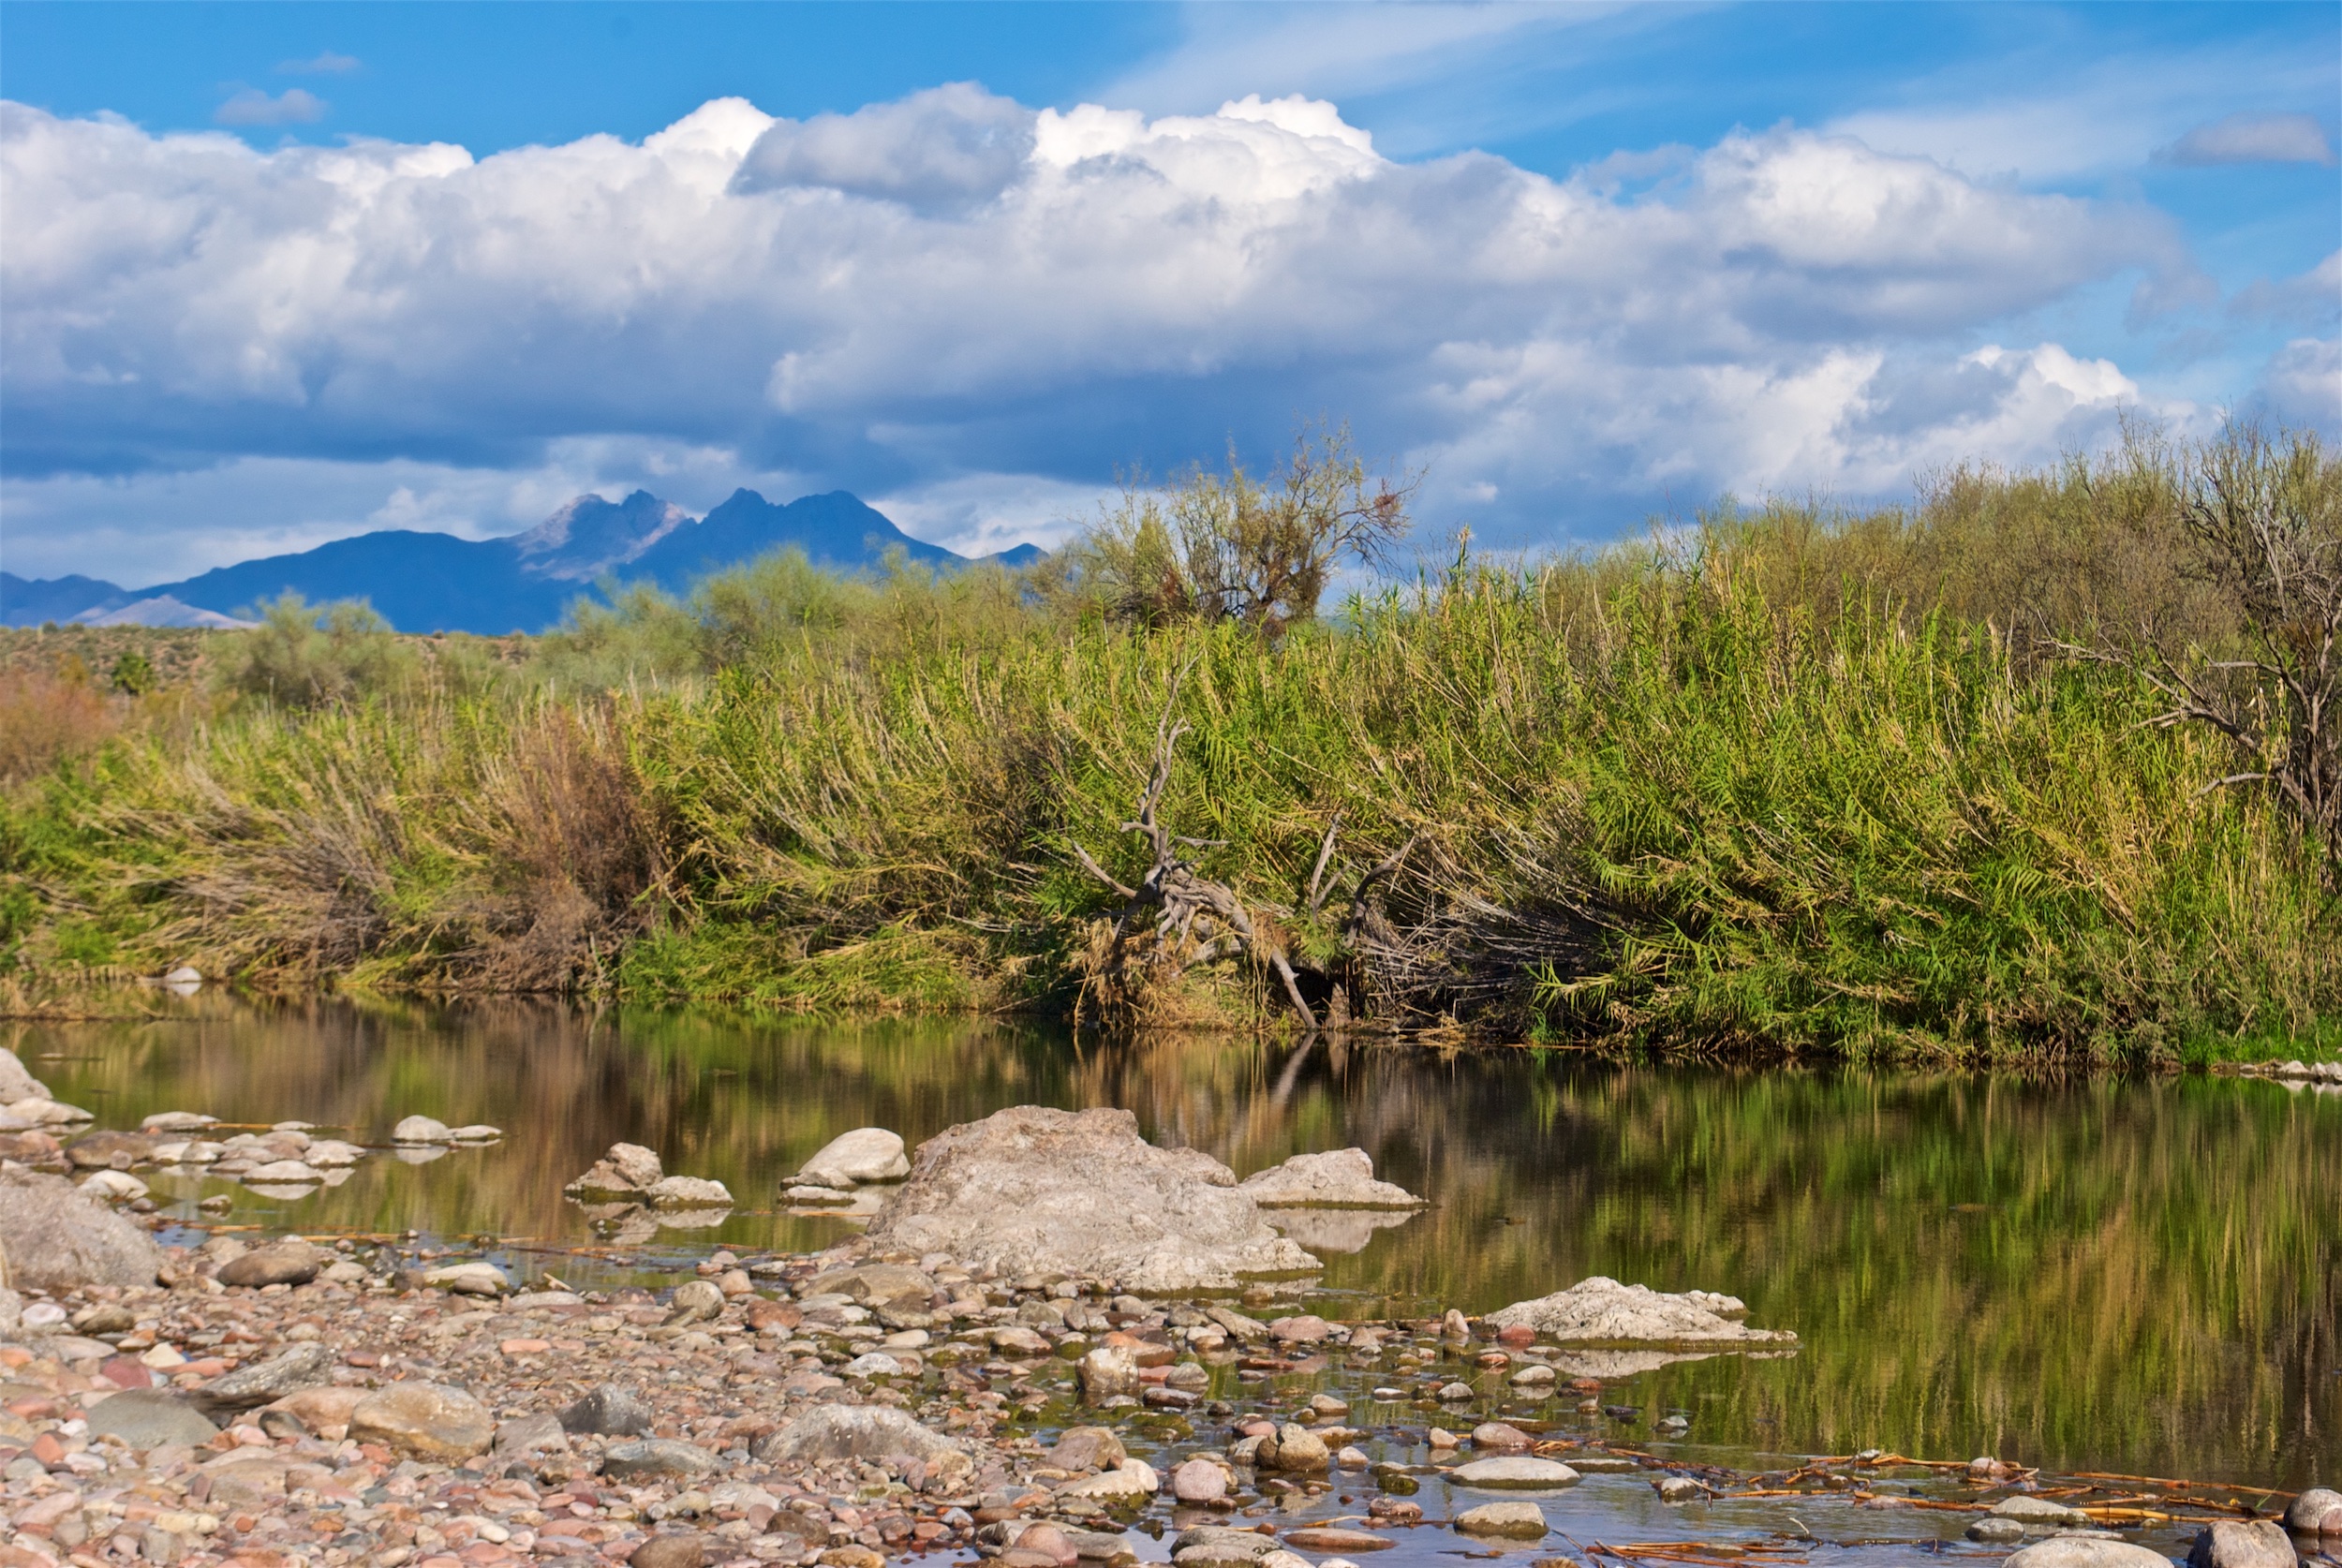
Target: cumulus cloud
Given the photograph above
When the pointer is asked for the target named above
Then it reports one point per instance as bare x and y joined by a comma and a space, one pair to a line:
294, 106
2251, 138
2302, 384
953, 286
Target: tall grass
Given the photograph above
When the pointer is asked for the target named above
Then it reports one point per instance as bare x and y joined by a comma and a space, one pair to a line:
1790, 783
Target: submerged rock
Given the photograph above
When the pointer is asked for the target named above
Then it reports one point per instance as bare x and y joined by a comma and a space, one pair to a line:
1603, 1311
1338, 1179
56, 1237
1033, 1191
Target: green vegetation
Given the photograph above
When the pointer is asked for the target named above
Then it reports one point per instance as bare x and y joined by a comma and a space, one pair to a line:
1788, 783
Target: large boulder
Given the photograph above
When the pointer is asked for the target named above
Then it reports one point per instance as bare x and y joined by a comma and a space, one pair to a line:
1338, 1179
827, 1434
1031, 1191
1600, 1312
55, 1237
853, 1159
15, 1082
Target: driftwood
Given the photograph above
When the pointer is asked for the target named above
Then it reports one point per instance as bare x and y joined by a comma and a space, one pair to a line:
1194, 919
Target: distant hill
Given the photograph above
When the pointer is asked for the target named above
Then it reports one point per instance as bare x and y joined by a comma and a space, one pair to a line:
438, 582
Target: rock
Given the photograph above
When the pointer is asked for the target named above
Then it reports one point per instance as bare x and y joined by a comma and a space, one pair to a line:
873, 1363
625, 1170
169, 1121
828, 1433
46, 1113
1521, 1521
609, 1410
685, 1550
875, 1285
1219, 1546
1340, 1178
58, 1238
1293, 1447
1993, 1531
113, 1186
2317, 1509
1679, 1488
678, 1191
425, 1421
695, 1301
816, 1195
249, 1387
16, 1083
468, 1279
1199, 1481
1108, 1371
1131, 1482
475, 1132
1031, 1191
1511, 1474
541, 1434
1534, 1378
1328, 1538
324, 1410
283, 1172
1050, 1543
1602, 1312
2235, 1544
109, 1151
2040, 1511
1497, 1436
656, 1456
2074, 1551
148, 1418
1089, 1448
331, 1154
280, 1262
1306, 1329
419, 1130
853, 1159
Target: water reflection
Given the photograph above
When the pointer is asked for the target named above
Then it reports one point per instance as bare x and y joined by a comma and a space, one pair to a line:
2137, 1277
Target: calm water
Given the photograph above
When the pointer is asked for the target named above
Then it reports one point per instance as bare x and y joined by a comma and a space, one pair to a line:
2142, 1276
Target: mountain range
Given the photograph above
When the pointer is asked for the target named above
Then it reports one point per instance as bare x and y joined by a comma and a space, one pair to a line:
421, 581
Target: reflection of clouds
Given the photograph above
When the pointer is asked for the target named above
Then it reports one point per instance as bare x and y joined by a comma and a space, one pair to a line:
1335, 1230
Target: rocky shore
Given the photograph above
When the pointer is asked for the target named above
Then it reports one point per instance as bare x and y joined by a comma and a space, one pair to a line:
1088, 1372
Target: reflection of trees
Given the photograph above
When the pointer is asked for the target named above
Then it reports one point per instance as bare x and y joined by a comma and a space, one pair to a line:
2146, 1275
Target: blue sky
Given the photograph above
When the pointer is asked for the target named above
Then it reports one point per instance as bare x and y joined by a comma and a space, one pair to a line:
1581, 263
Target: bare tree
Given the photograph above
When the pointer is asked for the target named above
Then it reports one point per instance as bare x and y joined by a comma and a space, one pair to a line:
1233, 547
2265, 516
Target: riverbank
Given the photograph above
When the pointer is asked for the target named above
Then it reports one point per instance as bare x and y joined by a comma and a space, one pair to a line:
1804, 787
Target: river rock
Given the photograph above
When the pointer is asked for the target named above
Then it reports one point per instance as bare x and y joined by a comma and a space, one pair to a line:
1088, 1448
1033, 1191
1219, 1546
656, 1456
2040, 1511
324, 1412
1333, 1538
177, 1121
419, 1129
695, 1301
678, 1191
609, 1410
1108, 1371
425, 1421
2237, 1543
280, 1262
1199, 1482
1603, 1311
331, 1154
1512, 1474
1520, 1521
875, 1285
541, 1434
855, 1159
1498, 1437
2317, 1509
109, 1151
1293, 1446
1130, 1482
625, 1170
113, 1186
829, 1433
249, 1387
2079, 1551
469, 1278
46, 1113
687, 1549
148, 1418
1339, 1179
58, 1238
16, 1083
283, 1172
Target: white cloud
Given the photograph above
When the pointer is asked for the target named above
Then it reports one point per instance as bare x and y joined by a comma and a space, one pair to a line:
324, 63
294, 106
2251, 138
2302, 384
887, 301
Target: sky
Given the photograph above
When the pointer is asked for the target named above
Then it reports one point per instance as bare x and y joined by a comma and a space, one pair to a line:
275, 273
